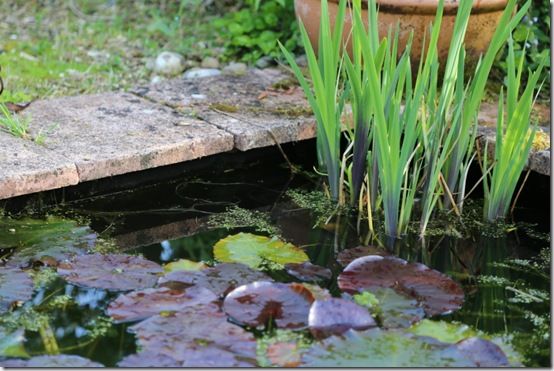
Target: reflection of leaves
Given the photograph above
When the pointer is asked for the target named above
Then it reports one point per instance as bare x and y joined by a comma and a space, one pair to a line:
11, 344
251, 250
47, 240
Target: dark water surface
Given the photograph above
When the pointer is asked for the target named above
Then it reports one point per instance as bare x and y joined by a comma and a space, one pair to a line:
167, 221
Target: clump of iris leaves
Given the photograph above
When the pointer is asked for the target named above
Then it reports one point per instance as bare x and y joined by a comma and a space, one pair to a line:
413, 136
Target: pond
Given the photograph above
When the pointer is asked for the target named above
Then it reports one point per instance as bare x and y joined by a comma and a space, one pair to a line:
77, 278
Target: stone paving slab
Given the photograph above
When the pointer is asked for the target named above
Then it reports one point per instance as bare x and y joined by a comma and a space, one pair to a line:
26, 167
259, 108
117, 133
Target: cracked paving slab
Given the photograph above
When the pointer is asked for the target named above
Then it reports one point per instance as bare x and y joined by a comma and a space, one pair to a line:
117, 133
259, 108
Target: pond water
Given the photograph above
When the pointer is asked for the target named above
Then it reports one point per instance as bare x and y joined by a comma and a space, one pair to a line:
505, 276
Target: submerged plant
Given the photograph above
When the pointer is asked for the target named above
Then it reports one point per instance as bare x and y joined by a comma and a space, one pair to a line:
514, 137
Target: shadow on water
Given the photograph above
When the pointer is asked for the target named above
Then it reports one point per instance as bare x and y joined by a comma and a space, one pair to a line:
168, 220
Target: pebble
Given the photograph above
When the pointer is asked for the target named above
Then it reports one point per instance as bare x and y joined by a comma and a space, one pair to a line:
169, 63
198, 96
264, 62
236, 69
301, 60
156, 79
195, 73
209, 62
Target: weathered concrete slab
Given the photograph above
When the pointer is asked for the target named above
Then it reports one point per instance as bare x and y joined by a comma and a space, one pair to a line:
258, 108
26, 167
117, 133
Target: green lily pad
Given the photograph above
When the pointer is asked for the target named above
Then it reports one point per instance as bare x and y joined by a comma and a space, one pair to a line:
397, 310
57, 361
448, 332
48, 240
184, 265
253, 250
378, 348
11, 344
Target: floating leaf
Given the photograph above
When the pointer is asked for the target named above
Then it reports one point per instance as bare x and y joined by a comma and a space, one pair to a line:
483, 352
397, 310
437, 293
257, 303
115, 272
184, 265
308, 272
345, 257
379, 348
138, 305
15, 286
284, 354
220, 279
318, 292
148, 359
47, 240
186, 334
11, 344
57, 361
335, 316
254, 250
447, 332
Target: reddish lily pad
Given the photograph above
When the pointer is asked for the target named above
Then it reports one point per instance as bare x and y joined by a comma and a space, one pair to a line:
15, 286
284, 354
256, 303
220, 279
436, 292
379, 348
115, 272
148, 359
346, 257
183, 335
318, 292
483, 352
335, 316
138, 305
57, 361
308, 272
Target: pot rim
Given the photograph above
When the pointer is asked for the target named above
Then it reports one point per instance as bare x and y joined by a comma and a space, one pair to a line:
430, 6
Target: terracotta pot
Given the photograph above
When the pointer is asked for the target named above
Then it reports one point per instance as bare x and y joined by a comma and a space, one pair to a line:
415, 15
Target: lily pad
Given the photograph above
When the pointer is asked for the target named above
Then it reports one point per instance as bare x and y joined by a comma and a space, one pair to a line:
138, 305
448, 332
15, 286
115, 272
148, 359
183, 335
483, 352
335, 316
47, 240
11, 344
397, 310
57, 361
184, 265
220, 279
308, 272
379, 348
284, 354
254, 250
256, 303
345, 257
318, 292
436, 292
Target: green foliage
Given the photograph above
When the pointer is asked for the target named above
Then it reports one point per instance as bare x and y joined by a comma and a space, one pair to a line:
319, 205
531, 39
11, 344
13, 124
237, 217
252, 32
255, 251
